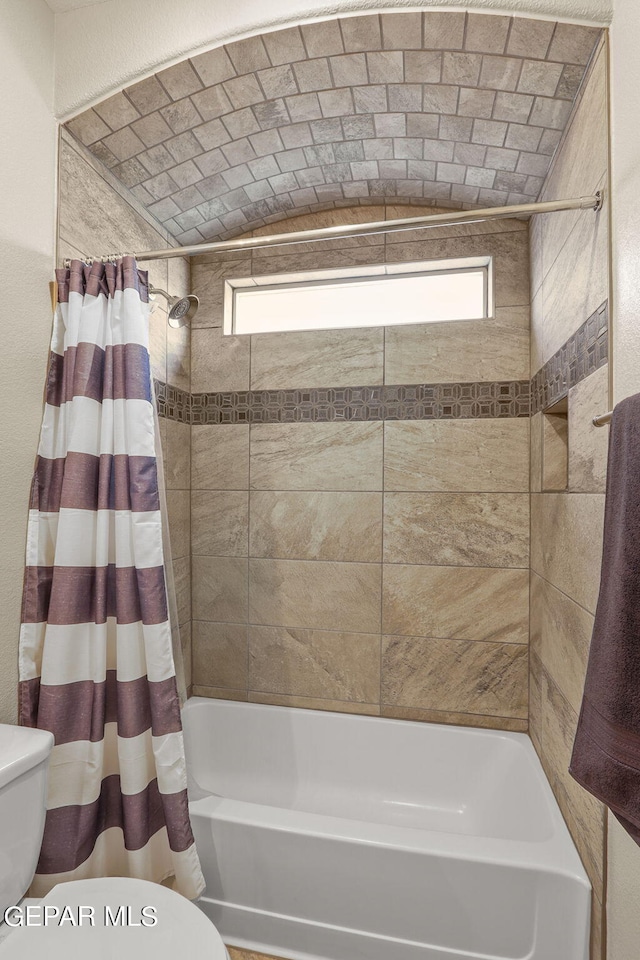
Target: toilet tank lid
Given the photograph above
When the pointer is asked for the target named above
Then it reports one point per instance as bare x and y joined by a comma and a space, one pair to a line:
21, 749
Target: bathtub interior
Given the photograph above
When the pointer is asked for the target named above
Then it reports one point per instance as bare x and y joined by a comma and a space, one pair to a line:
324, 836
396, 773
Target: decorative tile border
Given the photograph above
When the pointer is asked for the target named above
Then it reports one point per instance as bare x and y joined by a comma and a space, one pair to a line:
172, 403
427, 401
582, 354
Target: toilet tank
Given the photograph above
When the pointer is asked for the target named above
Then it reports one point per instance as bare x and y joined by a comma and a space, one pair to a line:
24, 758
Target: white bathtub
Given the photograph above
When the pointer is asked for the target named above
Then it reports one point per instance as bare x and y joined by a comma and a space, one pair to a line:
340, 837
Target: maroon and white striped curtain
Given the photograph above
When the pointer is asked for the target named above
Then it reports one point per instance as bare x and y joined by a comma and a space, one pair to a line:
96, 655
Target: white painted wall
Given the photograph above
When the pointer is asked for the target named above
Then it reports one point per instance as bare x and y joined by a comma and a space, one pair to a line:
27, 175
102, 48
623, 899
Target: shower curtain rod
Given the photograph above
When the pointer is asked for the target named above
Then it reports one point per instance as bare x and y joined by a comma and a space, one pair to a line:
365, 229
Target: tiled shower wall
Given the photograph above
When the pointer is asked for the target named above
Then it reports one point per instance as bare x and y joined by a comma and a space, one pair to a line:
96, 216
568, 461
360, 504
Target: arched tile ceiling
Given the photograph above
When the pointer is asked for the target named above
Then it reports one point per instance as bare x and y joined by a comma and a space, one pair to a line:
430, 108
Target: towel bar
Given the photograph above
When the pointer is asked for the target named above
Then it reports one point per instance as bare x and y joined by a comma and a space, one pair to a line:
603, 419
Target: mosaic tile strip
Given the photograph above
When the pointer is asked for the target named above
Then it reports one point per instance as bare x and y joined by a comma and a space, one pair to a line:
582, 354
172, 403
426, 401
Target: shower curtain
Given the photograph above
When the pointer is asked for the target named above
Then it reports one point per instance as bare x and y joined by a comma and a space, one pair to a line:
96, 656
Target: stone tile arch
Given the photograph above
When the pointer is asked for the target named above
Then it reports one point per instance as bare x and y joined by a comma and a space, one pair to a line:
436, 108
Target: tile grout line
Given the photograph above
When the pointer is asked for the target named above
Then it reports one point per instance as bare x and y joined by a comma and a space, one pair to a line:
249, 523
382, 515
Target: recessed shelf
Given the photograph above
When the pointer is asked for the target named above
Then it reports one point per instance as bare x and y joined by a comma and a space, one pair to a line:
555, 447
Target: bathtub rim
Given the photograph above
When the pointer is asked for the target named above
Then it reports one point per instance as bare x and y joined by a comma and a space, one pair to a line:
556, 854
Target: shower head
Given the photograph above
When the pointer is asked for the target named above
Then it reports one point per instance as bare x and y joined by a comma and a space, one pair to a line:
182, 310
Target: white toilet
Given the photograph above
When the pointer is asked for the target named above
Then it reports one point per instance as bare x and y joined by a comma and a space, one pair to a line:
180, 927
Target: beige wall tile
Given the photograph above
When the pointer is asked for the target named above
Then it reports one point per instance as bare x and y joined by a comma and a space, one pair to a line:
467, 350
322, 594
566, 543
361, 33
178, 508
478, 230
179, 357
555, 451
176, 451
510, 252
566, 630
313, 703
401, 31
583, 813
468, 529
218, 362
536, 360
455, 675
179, 285
220, 456
463, 603
317, 358
315, 663
316, 456
439, 455
598, 916
340, 254
570, 251
185, 645
316, 525
220, 589
162, 433
158, 340
456, 719
486, 33
536, 607
577, 282
535, 702
536, 533
94, 216
207, 282
575, 44
182, 580
588, 444
220, 523
325, 218
218, 693
535, 475
535, 252
581, 164
220, 652
443, 30
317, 250
529, 38
66, 251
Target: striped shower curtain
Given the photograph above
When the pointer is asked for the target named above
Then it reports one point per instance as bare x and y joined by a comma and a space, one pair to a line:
96, 657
